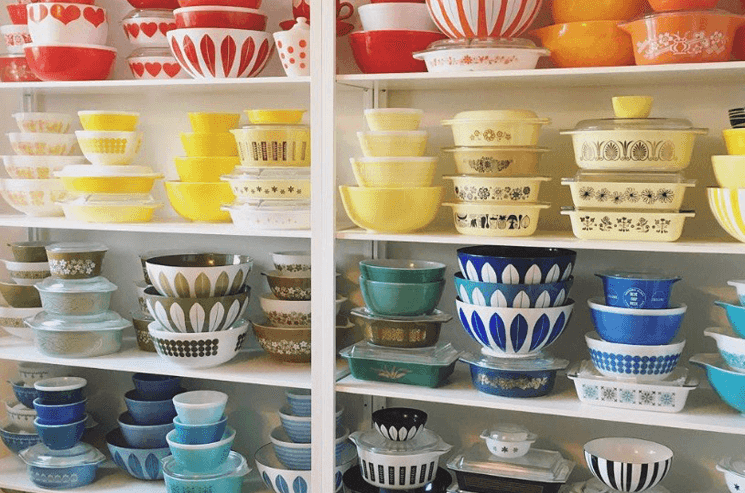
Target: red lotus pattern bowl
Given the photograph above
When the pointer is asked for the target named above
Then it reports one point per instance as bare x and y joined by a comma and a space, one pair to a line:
379, 52
220, 17
70, 61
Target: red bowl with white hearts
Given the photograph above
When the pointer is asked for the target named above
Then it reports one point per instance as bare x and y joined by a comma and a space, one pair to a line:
17, 13
379, 52
246, 4
15, 35
14, 68
221, 53
62, 23
155, 63
147, 28
70, 61
220, 17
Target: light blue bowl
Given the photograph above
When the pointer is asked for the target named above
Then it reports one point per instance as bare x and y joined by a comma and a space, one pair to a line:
299, 401
25, 395
401, 299
636, 326
137, 462
298, 427
59, 414
200, 406
735, 315
729, 384
297, 455
199, 434
201, 458
149, 412
16, 439
516, 265
227, 478
143, 436
512, 295
60, 437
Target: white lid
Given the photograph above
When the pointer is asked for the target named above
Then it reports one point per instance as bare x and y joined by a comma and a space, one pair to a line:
508, 432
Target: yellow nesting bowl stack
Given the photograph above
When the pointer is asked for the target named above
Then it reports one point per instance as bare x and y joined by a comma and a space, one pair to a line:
395, 192
727, 200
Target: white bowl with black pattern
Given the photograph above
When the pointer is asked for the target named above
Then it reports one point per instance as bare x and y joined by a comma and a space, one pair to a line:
630, 465
199, 350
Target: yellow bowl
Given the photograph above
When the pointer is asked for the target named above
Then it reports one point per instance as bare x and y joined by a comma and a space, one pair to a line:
110, 213
387, 119
213, 122
274, 117
200, 144
729, 171
632, 106
728, 206
110, 184
107, 121
205, 169
394, 172
391, 210
734, 138
200, 201
393, 144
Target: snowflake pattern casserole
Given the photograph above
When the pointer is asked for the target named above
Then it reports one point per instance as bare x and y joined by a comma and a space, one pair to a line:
72, 267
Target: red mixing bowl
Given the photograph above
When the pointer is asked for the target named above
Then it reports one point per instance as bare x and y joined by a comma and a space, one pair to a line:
17, 13
246, 4
82, 2
154, 4
14, 68
379, 52
70, 61
220, 17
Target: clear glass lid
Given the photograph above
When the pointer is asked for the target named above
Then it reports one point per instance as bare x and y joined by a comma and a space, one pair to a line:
151, 51
234, 465
436, 316
424, 441
94, 285
525, 116
80, 455
628, 177
635, 124
684, 13
540, 362
270, 205
150, 13
734, 465
442, 354
456, 44
647, 275
88, 170
508, 432
113, 199
76, 247
107, 320
269, 173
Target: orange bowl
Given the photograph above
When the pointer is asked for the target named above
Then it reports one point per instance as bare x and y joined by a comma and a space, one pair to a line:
596, 10
668, 5
684, 36
586, 44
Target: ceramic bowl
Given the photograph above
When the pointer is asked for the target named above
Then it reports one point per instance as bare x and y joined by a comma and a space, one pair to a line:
137, 462
15, 68
199, 275
734, 474
200, 407
496, 190
12, 321
394, 172
19, 295
632, 106
672, 5
140, 287
396, 16
279, 145
30, 373
44, 470
386, 51
294, 287
590, 224
586, 44
400, 332
479, 22
201, 458
513, 295
109, 121
146, 411
109, 148
200, 434
399, 423
143, 436
228, 477
580, 11
68, 62
729, 384
205, 122
24, 393
59, 414
299, 401
89, 179
221, 17
636, 326
725, 206
42, 144
511, 265
29, 251
60, 437
17, 13
147, 28
209, 144
646, 463
393, 119
42, 122
286, 344
204, 168
20, 416
633, 361
38, 167
496, 128
76, 260
288, 116
298, 427
728, 170
297, 455
27, 273
496, 161
507, 444
637, 289
156, 387
283, 313
270, 214
140, 322
199, 350
288, 263
16, 439
734, 139
33, 197
15, 35
739, 285
401, 271
401, 299
199, 201
84, 24
394, 143
391, 210
731, 347
60, 390
197, 314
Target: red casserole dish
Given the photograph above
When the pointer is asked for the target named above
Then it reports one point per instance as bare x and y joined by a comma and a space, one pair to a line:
220, 17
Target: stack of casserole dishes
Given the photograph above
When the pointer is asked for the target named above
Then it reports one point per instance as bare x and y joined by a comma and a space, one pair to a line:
629, 187
497, 163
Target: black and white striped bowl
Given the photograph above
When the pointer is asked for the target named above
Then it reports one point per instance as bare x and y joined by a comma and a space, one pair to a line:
630, 465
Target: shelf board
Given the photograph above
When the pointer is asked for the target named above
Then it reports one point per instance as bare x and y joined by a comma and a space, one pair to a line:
180, 85
250, 366
158, 225
677, 74
553, 239
704, 410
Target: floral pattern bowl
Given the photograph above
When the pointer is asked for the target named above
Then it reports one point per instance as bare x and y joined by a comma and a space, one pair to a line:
294, 287
497, 189
284, 313
76, 260
288, 344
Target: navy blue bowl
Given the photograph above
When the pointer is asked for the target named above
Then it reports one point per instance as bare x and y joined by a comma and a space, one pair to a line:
25, 395
637, 290
17, 440
60, 437
636, 326
59, 414
513, 295
60, 390
516, 265
199, 434
156, 387
149, 412
512, 383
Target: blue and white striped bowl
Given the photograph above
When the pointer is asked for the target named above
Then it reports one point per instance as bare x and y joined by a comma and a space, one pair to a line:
513, 295
299, 401
632, 361
297, 455
298, 427
630, 465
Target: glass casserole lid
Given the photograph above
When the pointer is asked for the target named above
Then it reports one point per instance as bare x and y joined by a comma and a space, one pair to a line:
81, 454
234, 465
76, 247
151, 51
149, 13
269, 205
436, 316
628, 177
540, 362
442, 354
481, 43
93, 285
635, 124
523, 116
269, 174
277, 126
508, 432
88, 170
111, 199
424, 441
107, 320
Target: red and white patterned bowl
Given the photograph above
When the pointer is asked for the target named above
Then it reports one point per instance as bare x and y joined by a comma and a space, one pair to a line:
58, 23
148, 28
16, 35
483, 18
155, 63
212, 53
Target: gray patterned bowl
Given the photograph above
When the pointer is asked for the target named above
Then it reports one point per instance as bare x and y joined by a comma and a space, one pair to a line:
196, 314
291, 287
199, 350
198, 275
138, 462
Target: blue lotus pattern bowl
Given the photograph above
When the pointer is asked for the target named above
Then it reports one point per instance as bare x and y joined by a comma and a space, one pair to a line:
630, 361
729, 384
139, 463
17, 440
149, 412
731, 347
637, 290
59, 414
60, 437
505, 332
156, 387
25, 395
635, 326
299, 401
735, 315
516, 265
513, 295
144, 436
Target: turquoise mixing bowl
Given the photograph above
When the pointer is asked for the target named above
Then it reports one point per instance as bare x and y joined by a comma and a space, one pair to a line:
401, 270
401, 299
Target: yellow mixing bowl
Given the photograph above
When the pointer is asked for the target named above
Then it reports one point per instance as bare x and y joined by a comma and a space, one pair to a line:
632, 106
391, 210
204, 169
200, 201
199, 144
274, 117
213, 122
110, 184
729, 171
734, 138
122, 121
110, 213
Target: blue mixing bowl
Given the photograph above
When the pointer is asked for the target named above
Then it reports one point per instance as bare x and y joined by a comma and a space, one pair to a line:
201, 458
735, 315
60, 390
635, 326
299, 401
149, 412
156, 387
59, 414
199, 434
637, 289
512, 295
60, 437
516, 265
25, 395
16, 439
729, 384
141, 463
143, 436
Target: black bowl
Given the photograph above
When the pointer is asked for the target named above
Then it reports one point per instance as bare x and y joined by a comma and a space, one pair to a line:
399, 423
355, 483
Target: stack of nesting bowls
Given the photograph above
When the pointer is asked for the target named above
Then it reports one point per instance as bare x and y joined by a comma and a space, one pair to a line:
76, 321
141, 317
395, 192
22, 301
197, 301
43, 146
145, 29
630, 187
61, 460
496, 158
272, 185
109, 190
201, 459
210, 152
139, 444
16, 33
514, 302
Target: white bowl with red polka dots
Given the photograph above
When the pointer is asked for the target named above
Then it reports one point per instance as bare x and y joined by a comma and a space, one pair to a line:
293, 47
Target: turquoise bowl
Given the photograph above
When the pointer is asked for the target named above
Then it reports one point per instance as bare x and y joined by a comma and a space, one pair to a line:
201, 458
401, 299
729, 384
735, 315
401, 270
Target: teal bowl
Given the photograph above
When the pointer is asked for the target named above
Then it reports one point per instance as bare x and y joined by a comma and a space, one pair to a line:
204, 457
402, 271
735, 315
729, 384
401, 299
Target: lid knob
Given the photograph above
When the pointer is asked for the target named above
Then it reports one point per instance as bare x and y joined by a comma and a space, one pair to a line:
632, 106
